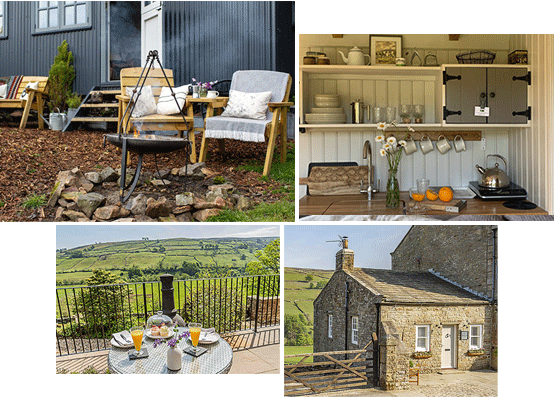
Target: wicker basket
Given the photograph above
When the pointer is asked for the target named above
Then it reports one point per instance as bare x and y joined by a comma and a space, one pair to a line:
476, 57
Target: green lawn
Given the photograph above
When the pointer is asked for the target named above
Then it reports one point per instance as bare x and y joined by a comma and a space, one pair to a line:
287, 350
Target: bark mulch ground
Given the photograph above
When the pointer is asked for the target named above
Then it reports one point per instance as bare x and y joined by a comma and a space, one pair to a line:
30, 160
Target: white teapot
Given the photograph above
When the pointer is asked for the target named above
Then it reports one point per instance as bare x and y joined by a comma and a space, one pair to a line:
356, 57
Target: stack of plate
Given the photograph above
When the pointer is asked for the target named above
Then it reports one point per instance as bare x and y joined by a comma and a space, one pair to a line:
327, 110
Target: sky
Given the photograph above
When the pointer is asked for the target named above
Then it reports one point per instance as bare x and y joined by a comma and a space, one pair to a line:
307, 246
70, 236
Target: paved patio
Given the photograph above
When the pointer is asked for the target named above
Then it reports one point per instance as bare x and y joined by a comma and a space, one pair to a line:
253, 353
448, 384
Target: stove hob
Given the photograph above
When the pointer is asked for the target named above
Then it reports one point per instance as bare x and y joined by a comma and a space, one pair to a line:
511, 192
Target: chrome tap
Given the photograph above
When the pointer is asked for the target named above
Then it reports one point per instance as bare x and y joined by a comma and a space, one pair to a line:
367, 154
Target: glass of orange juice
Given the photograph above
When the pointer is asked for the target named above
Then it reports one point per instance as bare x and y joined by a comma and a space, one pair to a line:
137, 335
194, 330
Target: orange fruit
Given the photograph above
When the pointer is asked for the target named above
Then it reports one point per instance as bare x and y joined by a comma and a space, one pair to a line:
418, 196
431, 195
445, 194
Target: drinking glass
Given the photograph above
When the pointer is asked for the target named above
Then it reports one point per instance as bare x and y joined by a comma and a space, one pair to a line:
194, 330
390, 114
405, 113
379, 115
137, 335
422, 185
418, 113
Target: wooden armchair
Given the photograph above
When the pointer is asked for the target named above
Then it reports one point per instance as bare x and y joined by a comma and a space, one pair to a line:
35, 100
154, 122
254, 81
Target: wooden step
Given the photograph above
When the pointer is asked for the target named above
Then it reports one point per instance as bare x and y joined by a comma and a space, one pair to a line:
99, 105
93, 119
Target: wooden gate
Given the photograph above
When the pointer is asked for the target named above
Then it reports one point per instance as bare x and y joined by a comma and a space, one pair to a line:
333, 370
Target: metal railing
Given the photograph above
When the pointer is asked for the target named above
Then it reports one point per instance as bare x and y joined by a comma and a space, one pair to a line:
87, 316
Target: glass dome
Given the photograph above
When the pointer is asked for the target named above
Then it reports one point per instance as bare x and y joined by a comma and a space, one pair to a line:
159, 319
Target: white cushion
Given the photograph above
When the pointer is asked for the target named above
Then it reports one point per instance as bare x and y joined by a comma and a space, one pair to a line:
146, 103
3, 90
25, 94
249, 105
166, 104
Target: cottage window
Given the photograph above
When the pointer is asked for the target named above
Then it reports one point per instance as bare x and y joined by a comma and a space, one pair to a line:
354, 330
56, 16
475, 336
422, 338
3, 19
330, 322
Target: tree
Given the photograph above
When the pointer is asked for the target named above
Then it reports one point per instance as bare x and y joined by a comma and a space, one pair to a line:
268, 260
296, 330
60, 78
309, 277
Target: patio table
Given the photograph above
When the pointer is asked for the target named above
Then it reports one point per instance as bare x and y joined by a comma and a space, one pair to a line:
217, 360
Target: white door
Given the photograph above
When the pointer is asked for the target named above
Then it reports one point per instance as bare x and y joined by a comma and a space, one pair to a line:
448, 347
151, 29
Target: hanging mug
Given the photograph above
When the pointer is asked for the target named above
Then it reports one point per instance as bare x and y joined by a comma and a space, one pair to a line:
443, 144
460, 146
426, 144
410, 147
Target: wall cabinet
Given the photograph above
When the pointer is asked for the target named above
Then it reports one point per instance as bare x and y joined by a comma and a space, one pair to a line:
478, 94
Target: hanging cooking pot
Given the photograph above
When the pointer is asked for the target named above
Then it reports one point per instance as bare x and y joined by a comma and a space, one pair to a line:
494, 178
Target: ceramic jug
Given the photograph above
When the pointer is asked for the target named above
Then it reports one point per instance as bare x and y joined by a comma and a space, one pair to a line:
356, 57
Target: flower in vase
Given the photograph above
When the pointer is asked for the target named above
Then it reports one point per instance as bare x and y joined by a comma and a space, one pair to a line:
383, 153
382, 126
392, 140
402, 143
380, 138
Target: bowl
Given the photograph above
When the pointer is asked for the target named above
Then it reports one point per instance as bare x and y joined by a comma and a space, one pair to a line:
327, 110
327, 103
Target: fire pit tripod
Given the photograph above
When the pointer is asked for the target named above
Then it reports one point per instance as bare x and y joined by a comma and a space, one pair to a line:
145, 143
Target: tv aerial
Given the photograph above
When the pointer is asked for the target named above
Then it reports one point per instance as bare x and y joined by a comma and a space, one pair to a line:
343, 241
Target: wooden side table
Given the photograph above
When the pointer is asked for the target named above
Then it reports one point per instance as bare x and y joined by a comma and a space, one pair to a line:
212, 105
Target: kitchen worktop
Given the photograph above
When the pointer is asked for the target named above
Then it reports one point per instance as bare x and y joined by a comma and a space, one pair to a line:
358, 204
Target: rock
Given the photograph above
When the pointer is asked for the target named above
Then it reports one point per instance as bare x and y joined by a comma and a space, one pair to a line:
108, 174
62, 202
75, 216
243, 203
227, 187
160, 182
204, 214
186, 217
59, 214
71, 193
72, 206
55, 195
157, 208
109, 212
125, 220
161, 174
182, 209
193, 171
184, 199
85, 184
94, 177
89, 202
213, 194
143, 218
113, 198
137, 205
169, 218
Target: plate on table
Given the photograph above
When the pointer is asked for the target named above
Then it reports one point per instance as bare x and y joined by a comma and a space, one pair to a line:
208, 338
170, 334
126, 346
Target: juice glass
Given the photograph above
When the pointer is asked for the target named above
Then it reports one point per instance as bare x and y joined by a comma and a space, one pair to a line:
194, 330
137, 335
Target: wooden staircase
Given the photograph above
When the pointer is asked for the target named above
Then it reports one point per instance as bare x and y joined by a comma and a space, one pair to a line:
88, 111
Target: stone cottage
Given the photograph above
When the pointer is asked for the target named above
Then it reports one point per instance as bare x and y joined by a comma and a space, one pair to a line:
415, 312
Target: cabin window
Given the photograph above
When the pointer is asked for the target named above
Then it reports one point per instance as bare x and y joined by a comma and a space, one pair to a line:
56, 16
354, 330
330, 323
3, 19
422, 338
475, 336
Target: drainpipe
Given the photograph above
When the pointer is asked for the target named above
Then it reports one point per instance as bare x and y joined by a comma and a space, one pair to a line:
494, 264
346, 316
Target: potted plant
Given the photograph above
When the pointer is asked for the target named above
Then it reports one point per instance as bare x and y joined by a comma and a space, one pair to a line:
72, 102
422, 354
60, 80
475, 352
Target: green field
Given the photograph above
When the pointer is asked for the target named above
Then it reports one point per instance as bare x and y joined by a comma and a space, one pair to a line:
299, 297
296, 350
225, 256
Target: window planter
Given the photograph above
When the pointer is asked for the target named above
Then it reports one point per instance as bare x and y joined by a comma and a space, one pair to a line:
419, 355
475, 352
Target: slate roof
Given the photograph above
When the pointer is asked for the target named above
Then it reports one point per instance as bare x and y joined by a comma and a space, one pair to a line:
412, 287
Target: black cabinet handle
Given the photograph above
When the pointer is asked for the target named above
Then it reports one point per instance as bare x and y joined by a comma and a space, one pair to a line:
492, 95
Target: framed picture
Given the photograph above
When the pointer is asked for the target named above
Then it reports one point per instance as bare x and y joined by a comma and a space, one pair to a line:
384, 49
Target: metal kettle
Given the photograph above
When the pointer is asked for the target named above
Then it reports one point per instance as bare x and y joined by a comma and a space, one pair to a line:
494, 178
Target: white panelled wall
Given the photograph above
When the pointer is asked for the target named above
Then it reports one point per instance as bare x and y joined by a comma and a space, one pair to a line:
454, 169
531, 149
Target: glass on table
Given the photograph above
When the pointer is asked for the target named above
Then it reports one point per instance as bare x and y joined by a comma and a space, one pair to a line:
137, 333
194, 331
422, 185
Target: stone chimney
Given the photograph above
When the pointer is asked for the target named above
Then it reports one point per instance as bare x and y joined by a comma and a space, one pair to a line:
345, 258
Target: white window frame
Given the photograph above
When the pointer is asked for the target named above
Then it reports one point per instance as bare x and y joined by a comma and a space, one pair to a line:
61, 7
3, 19
426, 339
479, 336
354, 330
330, 325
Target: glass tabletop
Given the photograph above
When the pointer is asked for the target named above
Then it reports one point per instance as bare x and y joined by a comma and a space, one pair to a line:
216, 360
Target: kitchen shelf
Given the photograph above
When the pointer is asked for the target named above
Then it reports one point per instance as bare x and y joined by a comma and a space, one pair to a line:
373, 70
402, 127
